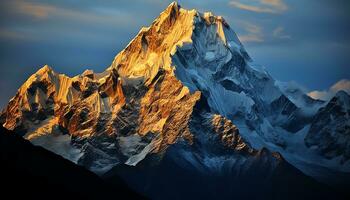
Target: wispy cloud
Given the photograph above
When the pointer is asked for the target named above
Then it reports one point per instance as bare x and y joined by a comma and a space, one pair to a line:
10, 34
279, 33
45, 15
35, 10
253, 34
343, 84
260, 6
43, 11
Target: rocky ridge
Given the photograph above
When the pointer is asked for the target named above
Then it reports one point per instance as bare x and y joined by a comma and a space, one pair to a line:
186, 82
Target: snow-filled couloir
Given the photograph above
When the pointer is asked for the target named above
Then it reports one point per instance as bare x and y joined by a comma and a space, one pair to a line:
185, 80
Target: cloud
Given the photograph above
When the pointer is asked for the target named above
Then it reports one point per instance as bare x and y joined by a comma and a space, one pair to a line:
322, 95
10, 34
280, 33
260, 6
343, 84
254, 33
28, 20
35, 10
42, 11
250, 38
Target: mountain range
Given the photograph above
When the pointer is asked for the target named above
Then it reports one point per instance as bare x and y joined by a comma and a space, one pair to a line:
184, 112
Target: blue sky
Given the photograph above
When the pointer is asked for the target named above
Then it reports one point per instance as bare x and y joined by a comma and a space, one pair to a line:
306, 41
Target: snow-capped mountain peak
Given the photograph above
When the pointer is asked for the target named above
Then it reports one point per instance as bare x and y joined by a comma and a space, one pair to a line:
344, 99
184, 70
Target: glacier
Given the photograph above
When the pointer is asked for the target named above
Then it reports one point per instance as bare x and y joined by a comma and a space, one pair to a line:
161, 96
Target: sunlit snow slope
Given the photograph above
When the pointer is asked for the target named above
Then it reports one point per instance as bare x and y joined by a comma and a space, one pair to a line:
186, 71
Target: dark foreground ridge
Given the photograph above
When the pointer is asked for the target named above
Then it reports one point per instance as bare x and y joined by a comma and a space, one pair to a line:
168, 180
33, 172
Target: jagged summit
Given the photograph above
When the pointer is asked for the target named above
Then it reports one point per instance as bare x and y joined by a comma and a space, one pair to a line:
150, 50
330, 129
343, 98
184, 83
342, 94
172, 9
44, 69
174, 4
153, 47
139, 105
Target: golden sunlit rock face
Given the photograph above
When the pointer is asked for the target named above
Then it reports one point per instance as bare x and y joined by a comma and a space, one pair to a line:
83, 102
229, 133
183, 105
166, 109
152, 48
136, 107
138, 94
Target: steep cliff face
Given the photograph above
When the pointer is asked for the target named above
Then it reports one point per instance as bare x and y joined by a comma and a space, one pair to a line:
185, 83
136, 107
152, 48
332, 139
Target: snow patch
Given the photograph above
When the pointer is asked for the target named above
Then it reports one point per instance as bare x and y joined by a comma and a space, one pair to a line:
59, 144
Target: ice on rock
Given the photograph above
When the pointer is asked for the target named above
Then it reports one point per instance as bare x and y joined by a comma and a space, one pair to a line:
343, 99
133, 160
183, 57
48, 135
298, 95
